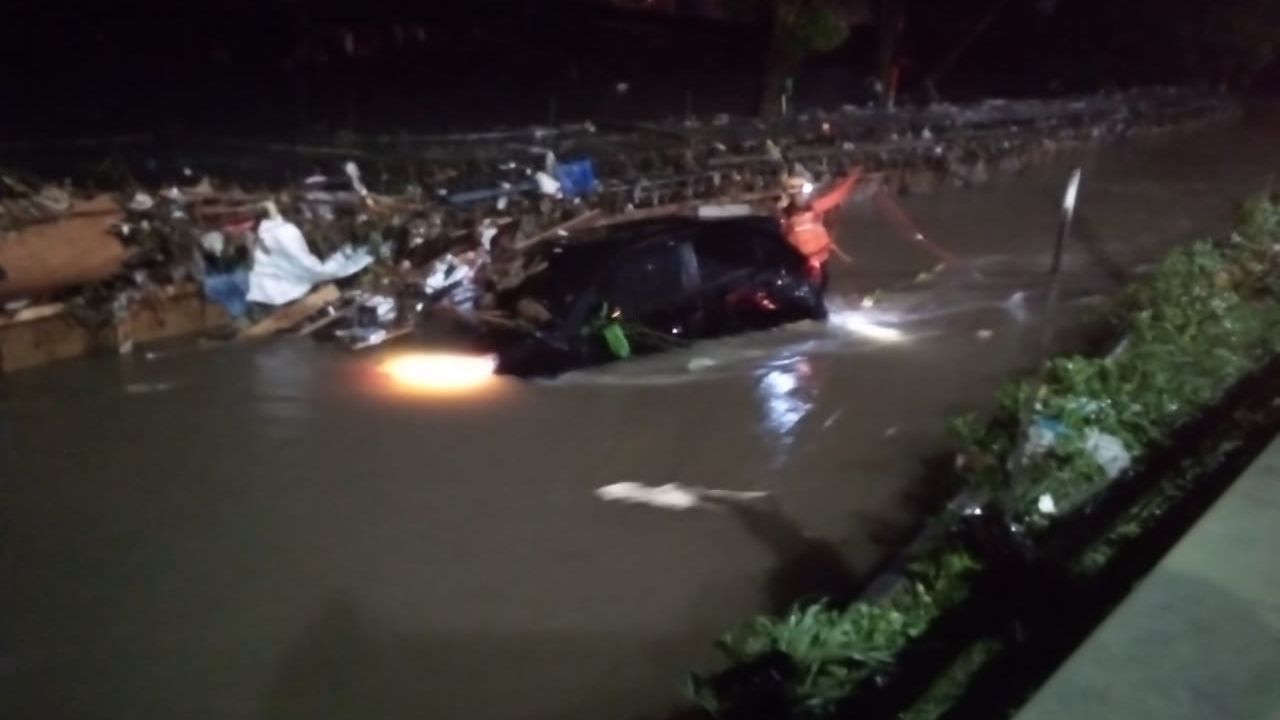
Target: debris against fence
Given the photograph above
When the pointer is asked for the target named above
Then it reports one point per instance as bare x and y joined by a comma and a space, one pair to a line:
258, 225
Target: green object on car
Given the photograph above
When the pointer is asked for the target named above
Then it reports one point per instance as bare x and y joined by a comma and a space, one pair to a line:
616, 339
609, 325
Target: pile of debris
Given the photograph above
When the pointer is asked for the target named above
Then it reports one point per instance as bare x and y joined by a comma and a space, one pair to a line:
404, 224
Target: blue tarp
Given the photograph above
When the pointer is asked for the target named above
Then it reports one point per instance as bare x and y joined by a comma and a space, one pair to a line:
230, 290
576, 178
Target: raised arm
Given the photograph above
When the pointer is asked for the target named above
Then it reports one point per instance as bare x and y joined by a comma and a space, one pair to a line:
838, 194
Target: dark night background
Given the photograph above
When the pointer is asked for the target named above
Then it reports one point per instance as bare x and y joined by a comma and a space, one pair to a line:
285, 67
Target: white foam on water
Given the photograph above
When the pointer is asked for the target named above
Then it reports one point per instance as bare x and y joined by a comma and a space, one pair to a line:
149, 388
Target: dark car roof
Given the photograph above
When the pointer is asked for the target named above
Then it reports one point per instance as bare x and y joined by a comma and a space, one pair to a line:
580, 258
576, 263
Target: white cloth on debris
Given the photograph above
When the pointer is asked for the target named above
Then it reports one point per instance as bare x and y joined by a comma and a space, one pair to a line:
446, 271
285, 269
454, 281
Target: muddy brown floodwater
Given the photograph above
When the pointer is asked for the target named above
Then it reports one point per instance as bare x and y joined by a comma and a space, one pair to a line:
273, 532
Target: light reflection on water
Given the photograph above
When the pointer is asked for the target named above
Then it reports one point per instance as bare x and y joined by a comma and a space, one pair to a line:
787, 390
863, 324
283, 379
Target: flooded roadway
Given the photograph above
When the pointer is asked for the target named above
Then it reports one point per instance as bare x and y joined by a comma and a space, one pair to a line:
274, 532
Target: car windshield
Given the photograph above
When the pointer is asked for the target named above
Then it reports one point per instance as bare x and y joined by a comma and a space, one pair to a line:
575, 267
728, 250
647, 279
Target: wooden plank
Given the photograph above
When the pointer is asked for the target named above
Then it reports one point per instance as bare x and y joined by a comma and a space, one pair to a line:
43, 340
74, 251
321, 323
564, 227
29, 314
46, 333
176, 312
293, 313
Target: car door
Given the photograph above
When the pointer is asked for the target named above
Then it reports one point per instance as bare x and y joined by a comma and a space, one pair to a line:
653, 286
747, 268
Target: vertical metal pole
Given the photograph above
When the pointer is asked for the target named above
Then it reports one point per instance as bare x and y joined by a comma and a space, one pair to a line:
1017, 466
1064, 227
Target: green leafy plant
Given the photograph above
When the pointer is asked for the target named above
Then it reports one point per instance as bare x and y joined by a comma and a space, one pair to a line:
1202, 320
834, 650
1207, 315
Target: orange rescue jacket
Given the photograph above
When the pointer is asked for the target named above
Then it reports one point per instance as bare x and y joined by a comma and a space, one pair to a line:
803, 225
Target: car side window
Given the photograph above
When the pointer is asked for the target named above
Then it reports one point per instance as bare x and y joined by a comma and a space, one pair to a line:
647, 279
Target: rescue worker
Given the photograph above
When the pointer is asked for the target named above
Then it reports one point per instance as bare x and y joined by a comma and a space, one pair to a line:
802, 221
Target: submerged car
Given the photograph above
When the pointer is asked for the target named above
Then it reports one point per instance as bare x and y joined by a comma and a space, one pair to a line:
651, 285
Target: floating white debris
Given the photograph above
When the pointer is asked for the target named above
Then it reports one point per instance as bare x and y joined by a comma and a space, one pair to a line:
214, 242
547, 185
141, 202
284, 268
488, 231
671, 496
1017, 305
1109, 451
701, 363
353, 173
1045, 504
